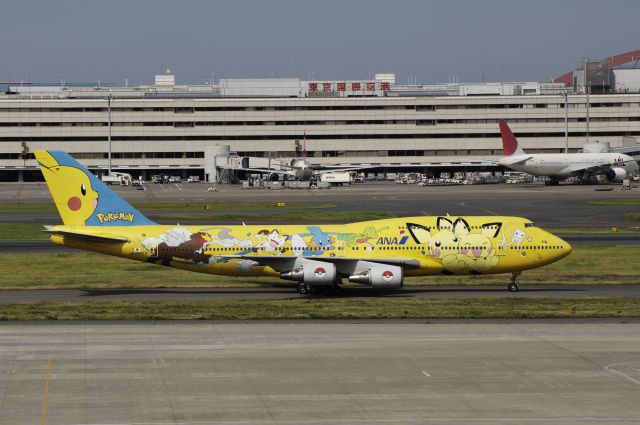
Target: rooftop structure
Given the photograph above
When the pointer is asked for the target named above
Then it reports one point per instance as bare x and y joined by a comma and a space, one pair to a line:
619, 74
169, 127
382, 85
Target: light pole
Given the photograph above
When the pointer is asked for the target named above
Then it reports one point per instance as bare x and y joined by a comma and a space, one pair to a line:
566, 121
109, 132
588, 104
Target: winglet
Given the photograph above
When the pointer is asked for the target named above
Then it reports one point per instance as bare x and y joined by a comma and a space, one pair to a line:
510, 144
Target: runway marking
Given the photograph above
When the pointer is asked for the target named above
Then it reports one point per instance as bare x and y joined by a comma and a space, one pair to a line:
464, 204
609, 368
46, 394
426, 374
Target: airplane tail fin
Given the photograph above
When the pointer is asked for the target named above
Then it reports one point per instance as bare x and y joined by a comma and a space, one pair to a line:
81, 198
510, 144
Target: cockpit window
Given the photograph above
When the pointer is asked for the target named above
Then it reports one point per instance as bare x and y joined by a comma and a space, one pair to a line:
528, 225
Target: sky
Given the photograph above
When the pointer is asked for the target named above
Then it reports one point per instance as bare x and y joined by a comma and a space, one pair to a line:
83, 41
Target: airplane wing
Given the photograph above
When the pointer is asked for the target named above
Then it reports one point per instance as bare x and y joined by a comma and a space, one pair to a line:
515, 160
284, 263
592, 169
89, 236
264, 171
338, 170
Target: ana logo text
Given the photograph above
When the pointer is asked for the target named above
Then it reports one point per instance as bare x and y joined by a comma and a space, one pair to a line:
392, 241
115, 216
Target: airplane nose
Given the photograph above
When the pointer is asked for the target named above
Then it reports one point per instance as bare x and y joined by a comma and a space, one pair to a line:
559, 247
565, 248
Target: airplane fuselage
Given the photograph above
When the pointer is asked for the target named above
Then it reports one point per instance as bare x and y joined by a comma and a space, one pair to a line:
377, 253
411, 246
562, 165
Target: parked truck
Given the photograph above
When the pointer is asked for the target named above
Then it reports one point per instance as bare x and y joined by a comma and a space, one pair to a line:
123, 179
338, 178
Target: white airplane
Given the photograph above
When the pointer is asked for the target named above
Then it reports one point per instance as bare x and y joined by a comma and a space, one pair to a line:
559, 166
299, 168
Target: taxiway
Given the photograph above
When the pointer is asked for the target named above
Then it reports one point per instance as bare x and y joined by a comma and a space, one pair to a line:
320, 373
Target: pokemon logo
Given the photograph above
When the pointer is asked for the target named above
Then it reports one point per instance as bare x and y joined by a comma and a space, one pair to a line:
115, 216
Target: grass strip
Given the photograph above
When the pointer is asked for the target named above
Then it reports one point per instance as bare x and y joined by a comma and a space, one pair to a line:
27, 207
309, 308
22, 232
84, 270
179, 206
227, 206
592, 231
308, 216
616, 201
633, 216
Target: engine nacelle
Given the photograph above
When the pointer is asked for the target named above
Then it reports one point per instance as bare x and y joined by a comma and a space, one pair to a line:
274, 177
617, 174
311, 272
379, 276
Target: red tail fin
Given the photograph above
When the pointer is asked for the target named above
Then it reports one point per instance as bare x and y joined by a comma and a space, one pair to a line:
509, 141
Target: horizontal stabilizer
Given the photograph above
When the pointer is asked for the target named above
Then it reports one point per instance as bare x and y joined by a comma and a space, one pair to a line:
87, 235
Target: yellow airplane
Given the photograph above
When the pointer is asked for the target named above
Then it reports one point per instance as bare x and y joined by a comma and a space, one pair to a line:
379, 253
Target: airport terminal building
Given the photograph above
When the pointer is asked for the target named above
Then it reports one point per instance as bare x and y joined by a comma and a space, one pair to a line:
172, 127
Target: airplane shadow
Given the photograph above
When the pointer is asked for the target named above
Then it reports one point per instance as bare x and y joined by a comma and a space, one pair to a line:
415, 292
347, 292
174, 291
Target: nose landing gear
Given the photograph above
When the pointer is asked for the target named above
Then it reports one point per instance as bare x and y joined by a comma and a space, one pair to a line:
513, 283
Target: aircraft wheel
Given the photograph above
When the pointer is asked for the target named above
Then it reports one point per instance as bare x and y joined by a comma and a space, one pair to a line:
513, 287
303, 288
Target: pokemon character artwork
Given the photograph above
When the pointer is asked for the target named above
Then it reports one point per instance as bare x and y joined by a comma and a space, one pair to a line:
82, 199
379, 253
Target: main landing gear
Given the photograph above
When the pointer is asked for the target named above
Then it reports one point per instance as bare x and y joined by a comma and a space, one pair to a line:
306, 289
552, 181
513, 283
303, 288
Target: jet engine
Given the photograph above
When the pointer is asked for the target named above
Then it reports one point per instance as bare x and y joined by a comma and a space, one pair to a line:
274, 177
311, 272
379, 276
617, 174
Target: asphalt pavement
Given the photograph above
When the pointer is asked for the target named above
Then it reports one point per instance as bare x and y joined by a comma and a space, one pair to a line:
281, 292
319, 373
